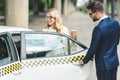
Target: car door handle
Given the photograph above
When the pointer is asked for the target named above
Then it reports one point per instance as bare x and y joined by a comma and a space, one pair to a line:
17, 73
76, 63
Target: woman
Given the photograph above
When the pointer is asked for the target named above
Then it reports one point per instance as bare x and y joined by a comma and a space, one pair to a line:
54, 22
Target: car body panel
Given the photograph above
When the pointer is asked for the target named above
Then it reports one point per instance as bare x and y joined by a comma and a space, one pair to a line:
60, 68
11, 71
29, 64
13, 29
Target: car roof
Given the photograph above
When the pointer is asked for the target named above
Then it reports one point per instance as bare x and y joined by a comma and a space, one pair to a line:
13, 29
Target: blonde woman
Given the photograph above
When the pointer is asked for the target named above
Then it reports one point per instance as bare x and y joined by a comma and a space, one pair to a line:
54, 22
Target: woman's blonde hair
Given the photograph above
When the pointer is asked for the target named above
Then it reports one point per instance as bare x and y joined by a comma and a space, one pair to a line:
58, 21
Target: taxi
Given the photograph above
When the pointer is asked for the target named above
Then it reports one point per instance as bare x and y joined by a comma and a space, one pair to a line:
26, 54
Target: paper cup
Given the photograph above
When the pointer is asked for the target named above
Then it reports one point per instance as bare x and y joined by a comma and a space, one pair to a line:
74, 34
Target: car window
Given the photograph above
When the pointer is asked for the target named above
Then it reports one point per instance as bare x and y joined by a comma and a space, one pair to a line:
6, 55
74, 47
49, 45
16, 37
17, 41
44, 45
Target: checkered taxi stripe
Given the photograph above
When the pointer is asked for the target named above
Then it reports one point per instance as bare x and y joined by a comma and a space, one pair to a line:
9, 69
41, 62
54, 61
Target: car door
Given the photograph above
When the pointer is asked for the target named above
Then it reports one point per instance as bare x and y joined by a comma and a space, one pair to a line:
51, 56
9, 61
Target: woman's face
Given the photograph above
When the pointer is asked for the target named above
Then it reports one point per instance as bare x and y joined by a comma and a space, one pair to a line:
50, 19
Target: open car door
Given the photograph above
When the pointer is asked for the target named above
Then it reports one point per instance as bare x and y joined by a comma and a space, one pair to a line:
51, 56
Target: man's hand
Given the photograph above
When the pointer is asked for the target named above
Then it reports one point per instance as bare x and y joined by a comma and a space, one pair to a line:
81, 62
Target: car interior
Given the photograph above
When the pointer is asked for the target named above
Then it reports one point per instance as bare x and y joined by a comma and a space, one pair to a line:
4, 52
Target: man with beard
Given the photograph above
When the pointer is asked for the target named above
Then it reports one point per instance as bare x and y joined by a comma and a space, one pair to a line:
105, 38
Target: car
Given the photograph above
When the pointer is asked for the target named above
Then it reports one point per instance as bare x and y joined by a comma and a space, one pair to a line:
26, 54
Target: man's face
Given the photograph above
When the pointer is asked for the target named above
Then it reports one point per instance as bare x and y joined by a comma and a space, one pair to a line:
93, 15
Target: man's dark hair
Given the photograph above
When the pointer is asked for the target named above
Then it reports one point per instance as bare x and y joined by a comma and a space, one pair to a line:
95, 6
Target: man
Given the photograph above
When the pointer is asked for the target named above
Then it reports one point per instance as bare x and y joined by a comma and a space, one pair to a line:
105, 39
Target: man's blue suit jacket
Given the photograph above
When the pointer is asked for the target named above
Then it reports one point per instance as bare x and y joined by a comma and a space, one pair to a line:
105, 39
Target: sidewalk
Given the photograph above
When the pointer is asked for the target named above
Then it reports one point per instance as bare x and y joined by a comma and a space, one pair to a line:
84, 26
74, 21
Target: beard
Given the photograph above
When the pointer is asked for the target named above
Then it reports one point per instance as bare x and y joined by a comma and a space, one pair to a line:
94, 20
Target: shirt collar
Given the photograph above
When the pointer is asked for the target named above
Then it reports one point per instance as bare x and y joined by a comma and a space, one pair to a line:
103, 18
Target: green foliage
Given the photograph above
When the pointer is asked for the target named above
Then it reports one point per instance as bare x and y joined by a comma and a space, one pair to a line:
30, 12
1, 7
83, 9
1, 13
45, 6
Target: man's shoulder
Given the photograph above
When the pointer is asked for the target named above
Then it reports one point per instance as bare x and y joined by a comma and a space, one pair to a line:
109, 25
108, 22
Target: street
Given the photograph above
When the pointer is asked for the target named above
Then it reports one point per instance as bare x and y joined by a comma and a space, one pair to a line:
75, 21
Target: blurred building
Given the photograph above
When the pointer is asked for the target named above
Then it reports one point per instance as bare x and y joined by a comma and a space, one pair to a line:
17, 12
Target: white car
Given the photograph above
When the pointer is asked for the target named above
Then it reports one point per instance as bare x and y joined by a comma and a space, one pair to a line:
30, 55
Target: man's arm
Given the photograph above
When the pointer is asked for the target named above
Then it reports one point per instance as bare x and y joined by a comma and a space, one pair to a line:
96, 36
